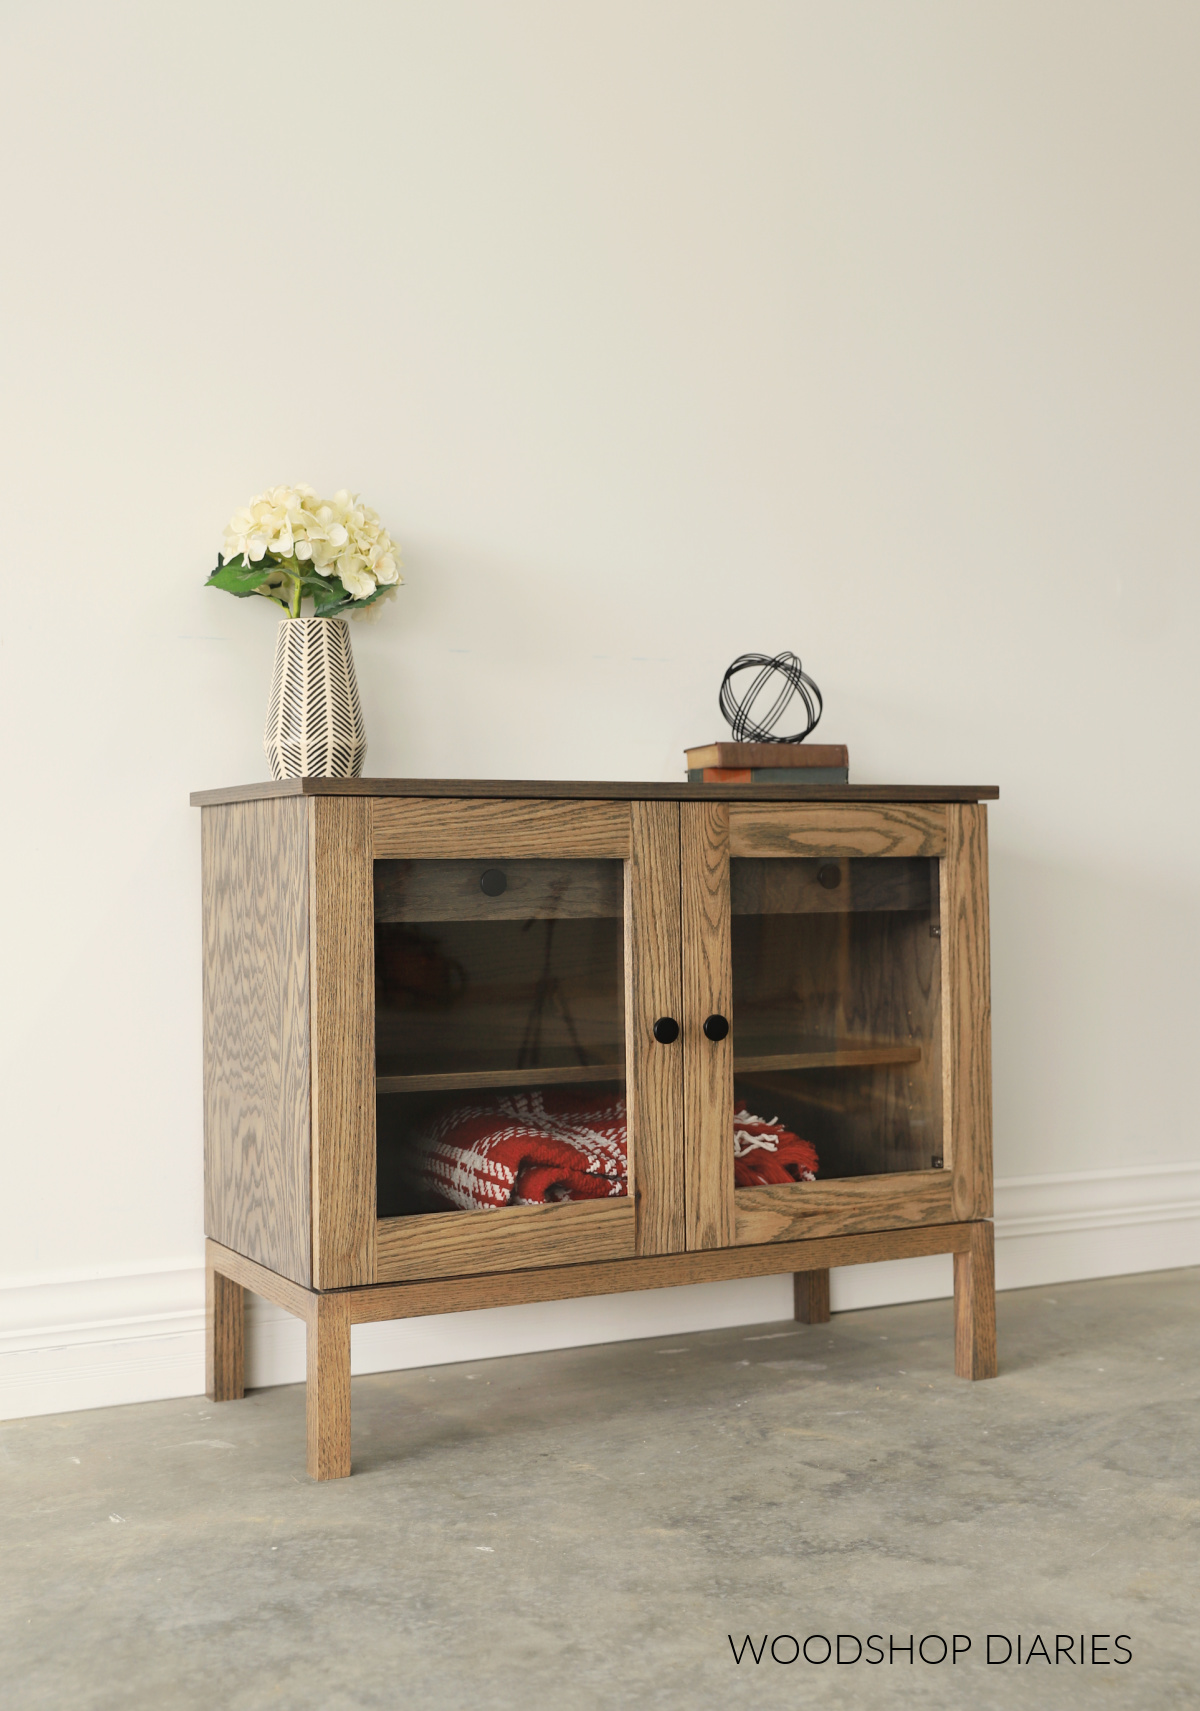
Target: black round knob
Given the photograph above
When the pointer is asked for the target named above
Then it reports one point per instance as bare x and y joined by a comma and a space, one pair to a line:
829, 875
492, 882
716, 1028
666, 1030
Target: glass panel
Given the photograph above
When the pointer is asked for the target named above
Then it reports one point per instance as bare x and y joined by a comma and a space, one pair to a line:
499, 1033
836, 1007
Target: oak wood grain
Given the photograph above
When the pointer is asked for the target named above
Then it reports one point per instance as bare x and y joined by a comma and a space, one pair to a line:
707, 991
653, 988
975, 1305
271, 1285
257, 1115
224, 1336
327, 1388
553, 789
343, 1028
661, 1271
561, 1283
496, 831
842, 1207
810, 1294
452, 1244
967, 1012
894, 829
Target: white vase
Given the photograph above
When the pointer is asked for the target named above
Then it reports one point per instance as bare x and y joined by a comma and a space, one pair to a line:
314, 722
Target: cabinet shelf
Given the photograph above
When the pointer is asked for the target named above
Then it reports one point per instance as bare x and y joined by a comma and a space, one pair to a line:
842, 1057
833, 1057
554, 1075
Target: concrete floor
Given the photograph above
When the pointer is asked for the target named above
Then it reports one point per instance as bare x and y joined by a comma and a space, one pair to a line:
585, 1528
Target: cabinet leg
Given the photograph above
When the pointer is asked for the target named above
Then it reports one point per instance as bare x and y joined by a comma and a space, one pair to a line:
224, 1337
328, 1389
812, 1297
975, 1306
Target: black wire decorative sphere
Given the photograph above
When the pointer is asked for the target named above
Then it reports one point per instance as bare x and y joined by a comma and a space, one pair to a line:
790, 681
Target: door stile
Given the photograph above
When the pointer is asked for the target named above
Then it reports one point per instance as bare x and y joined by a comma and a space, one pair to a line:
966, 1011
653, 990
707, 991
342, 977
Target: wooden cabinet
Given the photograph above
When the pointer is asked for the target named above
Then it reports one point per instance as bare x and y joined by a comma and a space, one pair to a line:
383, 958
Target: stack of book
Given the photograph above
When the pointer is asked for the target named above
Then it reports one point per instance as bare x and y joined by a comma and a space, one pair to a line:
769, 763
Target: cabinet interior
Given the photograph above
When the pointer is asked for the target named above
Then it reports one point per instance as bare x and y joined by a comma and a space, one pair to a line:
837, 1012
493, 983
497, 984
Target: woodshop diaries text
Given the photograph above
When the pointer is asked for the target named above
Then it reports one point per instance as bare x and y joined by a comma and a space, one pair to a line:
935, 1648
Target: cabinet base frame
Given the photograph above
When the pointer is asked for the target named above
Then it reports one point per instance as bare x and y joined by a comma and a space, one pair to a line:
329, 1314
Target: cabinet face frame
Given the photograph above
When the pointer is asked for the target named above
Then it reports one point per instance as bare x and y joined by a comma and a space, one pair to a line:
956, 835
351, 1245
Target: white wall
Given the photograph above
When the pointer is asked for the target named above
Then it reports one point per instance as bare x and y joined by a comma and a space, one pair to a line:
655, 332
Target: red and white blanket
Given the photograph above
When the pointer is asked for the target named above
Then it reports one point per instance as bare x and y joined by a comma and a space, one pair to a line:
530, 1148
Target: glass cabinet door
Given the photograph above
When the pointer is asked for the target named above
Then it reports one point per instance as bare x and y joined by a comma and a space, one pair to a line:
836, 995
526, 1112
499, 1034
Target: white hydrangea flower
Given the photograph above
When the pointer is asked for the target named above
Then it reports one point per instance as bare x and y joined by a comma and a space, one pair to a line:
337, 537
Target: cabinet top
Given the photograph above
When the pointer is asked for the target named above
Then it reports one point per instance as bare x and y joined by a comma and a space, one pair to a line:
597, 790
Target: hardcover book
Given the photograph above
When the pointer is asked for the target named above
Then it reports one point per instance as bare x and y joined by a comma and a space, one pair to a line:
768, 763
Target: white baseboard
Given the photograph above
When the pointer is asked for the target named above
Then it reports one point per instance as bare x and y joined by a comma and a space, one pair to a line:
106, 1338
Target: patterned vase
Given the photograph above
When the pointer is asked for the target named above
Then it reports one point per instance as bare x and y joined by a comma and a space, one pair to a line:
314, 723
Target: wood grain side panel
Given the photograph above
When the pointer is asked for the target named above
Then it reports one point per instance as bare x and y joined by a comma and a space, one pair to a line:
653, 988
343, 1028
494, 831
707, 991
256, 1032
662, 1271
846, 1207
454, 1244
967, 1011
839, 829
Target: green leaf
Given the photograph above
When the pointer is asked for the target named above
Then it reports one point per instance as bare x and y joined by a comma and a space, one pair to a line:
329, 608
266, 564
242, 579
343, 605
240, 582
312, 580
